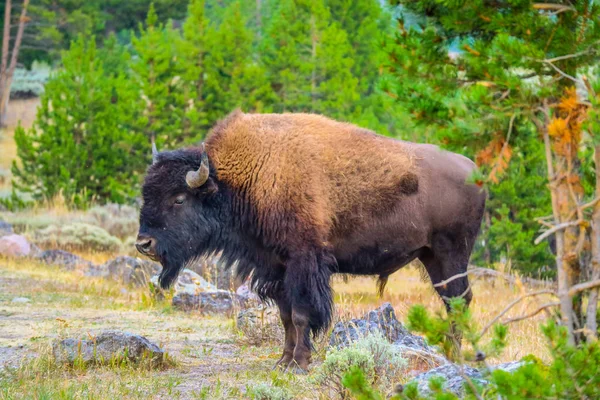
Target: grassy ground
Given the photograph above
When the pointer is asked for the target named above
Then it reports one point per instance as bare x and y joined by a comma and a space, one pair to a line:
210, 360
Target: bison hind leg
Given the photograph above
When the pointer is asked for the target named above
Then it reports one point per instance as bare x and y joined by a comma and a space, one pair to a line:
447, 258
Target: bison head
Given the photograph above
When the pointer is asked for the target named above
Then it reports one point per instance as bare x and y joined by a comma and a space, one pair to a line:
179, 213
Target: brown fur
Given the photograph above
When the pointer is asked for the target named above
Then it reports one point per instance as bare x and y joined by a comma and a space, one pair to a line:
316, 168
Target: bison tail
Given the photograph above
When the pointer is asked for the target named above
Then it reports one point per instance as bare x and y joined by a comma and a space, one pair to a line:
308, 288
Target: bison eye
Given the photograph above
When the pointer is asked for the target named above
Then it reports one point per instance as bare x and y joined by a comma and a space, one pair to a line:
179, 199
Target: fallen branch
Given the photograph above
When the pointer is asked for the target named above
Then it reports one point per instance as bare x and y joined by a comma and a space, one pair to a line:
487, 272
540, 309
552, 6
511, 305
557, 228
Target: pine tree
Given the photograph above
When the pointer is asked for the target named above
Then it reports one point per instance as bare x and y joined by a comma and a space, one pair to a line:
309, 60
515, 72
234, 77
80, 144
168, 110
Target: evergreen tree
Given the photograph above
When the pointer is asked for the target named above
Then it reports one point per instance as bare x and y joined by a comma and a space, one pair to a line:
169, 113
309, 60
236, 78
517, 71
80, 144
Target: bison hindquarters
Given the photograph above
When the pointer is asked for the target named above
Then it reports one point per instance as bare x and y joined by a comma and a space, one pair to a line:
305, 305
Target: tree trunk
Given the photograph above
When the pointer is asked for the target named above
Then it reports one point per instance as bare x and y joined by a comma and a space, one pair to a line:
8, 72
592, 307
4, 62
562, 267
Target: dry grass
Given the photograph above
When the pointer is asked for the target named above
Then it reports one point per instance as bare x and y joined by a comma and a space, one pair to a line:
407, 288
212, 362
18, 110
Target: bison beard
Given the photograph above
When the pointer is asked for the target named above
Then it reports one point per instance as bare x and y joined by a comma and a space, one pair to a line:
293, 198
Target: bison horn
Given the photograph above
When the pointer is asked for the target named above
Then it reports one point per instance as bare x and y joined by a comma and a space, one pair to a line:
195, 179
154, 153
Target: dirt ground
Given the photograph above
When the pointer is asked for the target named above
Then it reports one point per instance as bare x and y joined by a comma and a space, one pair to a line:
211, 359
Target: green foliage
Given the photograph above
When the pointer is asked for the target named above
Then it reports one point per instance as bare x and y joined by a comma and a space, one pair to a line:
165, 101
465, 70
77, 236
379, 361
513, 206
572, 373
308, 58
357, 384
81, 143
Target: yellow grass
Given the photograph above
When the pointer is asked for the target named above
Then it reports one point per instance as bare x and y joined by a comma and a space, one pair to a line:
18, 110
211, 362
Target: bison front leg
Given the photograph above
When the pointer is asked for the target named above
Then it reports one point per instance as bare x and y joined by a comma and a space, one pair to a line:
285, 312
307, 287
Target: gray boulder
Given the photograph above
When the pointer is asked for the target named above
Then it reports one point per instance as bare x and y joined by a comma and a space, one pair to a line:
453, 379
247, 296
191, 292
259, 316
381, 320
508, 366
106, 347
64, 259
130, 270
213, 302
5, 228
213, 270
14, 246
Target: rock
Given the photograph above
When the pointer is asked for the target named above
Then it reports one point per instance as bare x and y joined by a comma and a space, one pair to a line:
247, 296
213, 302
261, 315
130, 270
382, 320
214, 271
453, 381
260, 324
20, 300
190, 282
106, 347
5, 228
509, 366
194, 293
14, 246
64, 259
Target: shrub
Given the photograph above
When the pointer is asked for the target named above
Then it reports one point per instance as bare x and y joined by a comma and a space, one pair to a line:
377, 358
573, 372
82, 143
118, 220
28, 83
262, 391
77, 236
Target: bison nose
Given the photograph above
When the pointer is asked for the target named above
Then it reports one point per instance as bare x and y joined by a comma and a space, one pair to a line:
145, 245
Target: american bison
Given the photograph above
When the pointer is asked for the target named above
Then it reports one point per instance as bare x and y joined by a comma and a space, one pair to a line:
295, 198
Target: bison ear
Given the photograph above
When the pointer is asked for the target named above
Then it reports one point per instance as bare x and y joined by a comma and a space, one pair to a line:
210, 187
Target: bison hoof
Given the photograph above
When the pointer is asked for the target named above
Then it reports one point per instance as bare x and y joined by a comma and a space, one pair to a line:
283, 362
296, 368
